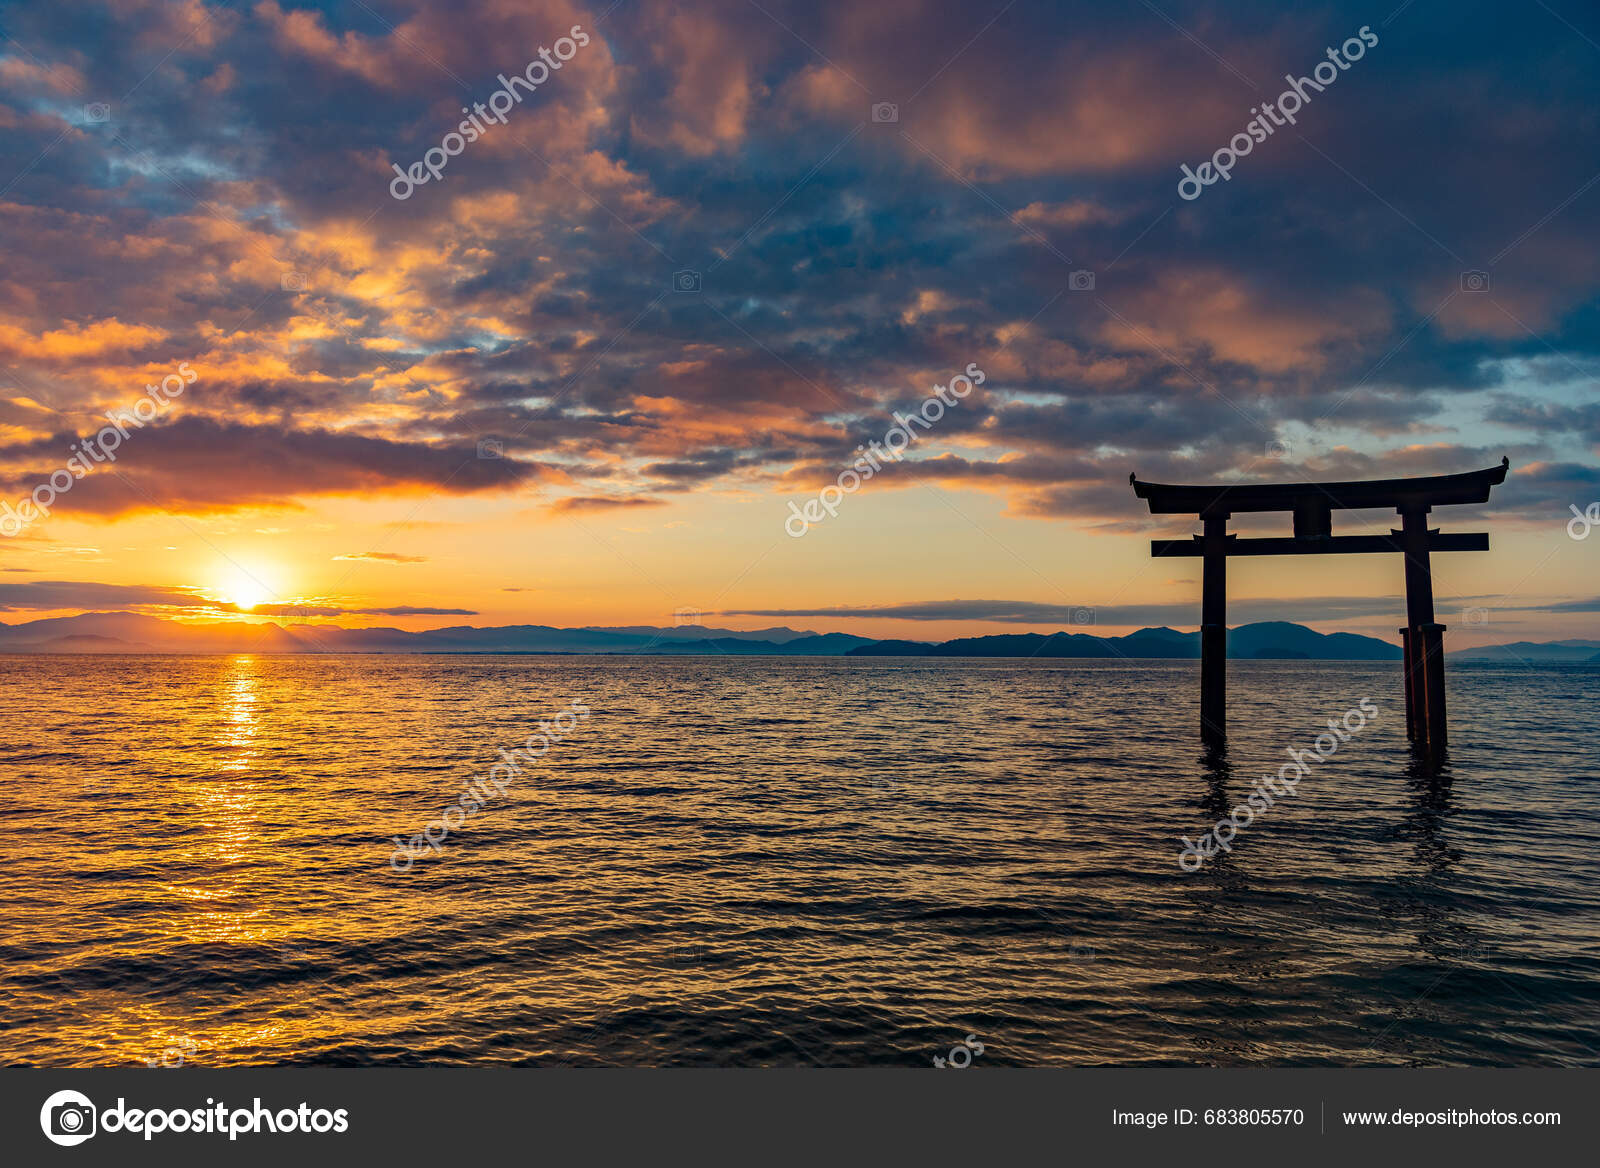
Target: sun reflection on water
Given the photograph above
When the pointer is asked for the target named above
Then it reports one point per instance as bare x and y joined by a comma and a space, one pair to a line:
240, 716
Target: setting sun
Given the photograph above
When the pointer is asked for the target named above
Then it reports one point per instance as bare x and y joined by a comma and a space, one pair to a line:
244, 585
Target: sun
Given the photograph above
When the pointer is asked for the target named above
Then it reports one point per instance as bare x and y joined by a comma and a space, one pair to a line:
245, 585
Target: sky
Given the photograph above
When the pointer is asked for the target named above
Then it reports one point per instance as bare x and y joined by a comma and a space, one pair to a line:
702, 252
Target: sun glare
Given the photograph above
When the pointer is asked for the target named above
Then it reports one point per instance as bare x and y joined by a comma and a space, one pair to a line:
244, 585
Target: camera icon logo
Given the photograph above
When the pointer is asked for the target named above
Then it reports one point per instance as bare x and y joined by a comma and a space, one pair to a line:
1279, 449
1476, 281
687, 280
1081, 281
885, 111
1475, 616
68, 1118
686, 616
1083, 616
491, 448
295, 282
97, 113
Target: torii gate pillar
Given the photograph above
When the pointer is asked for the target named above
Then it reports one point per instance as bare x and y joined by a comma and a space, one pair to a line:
1214, 632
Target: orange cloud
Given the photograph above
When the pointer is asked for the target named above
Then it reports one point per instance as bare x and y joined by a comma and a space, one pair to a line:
74, 341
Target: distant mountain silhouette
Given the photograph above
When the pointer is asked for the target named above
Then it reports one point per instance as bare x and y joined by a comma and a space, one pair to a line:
1278, 640
828, 644
90, 643
1572, 652
126, 632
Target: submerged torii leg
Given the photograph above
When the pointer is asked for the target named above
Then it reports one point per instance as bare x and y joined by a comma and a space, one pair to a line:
1409, 670
1425, 642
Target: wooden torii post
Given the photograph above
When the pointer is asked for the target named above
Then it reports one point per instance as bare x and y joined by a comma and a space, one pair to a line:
1313, 504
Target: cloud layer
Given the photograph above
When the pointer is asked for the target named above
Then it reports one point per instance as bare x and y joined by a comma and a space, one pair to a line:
210, 184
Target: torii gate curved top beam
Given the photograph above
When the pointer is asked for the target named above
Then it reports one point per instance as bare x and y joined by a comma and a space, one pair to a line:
1437, 490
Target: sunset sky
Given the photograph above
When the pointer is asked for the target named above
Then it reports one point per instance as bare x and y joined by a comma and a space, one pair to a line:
209, 185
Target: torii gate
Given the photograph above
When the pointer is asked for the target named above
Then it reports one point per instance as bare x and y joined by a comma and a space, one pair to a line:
1313, 504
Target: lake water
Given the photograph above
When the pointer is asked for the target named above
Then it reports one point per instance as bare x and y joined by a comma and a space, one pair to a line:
758, 861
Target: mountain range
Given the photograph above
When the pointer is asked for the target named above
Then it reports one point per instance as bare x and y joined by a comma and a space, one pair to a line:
1268, 640
1571, 652
126, 632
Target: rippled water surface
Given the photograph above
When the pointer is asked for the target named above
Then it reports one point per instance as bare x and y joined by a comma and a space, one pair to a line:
759, 861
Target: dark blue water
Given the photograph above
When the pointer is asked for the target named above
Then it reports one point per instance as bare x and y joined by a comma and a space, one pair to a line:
775, 862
